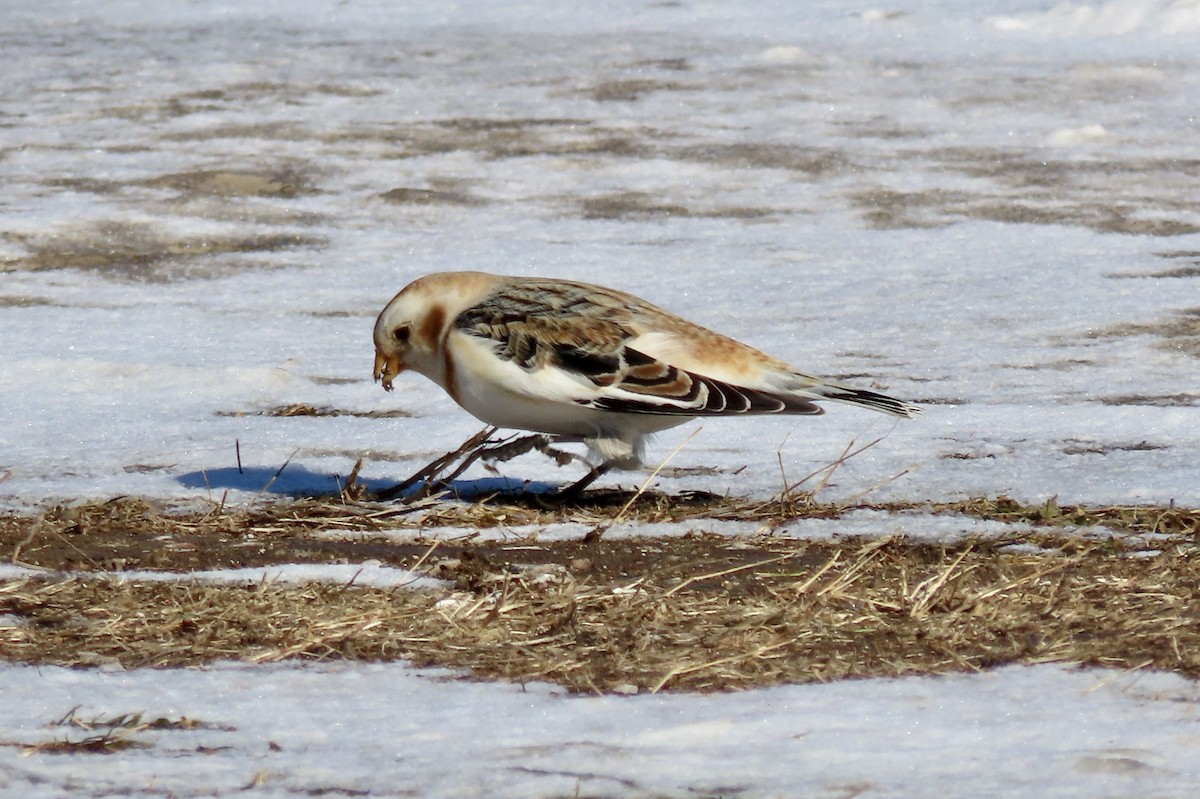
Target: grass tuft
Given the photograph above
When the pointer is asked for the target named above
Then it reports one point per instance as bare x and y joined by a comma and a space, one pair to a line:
1111, 586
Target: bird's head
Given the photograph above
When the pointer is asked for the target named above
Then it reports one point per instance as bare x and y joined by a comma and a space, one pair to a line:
411, 329
395, 329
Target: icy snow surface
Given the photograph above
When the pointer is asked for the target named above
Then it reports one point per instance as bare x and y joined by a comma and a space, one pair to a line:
989, 208
388, 730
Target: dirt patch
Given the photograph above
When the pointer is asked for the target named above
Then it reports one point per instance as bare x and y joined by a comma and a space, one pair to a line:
1157, 197
237, 95
18, 301
699, 612
1179, 332
1193, 255
813, 162
626, 205
304, 409
409, 196
888, 209
1156, 400
1061, 365
504, 138
1082, 447
137, 251
665, 64
276, 131
882, 128
637, 205
284, 184
1174, 272
628, 90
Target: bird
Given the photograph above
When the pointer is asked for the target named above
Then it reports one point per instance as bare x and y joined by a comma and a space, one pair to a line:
582, 362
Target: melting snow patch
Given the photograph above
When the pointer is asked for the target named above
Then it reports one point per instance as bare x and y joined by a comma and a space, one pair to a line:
370, 574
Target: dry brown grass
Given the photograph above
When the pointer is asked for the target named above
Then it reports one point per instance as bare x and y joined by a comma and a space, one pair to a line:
701, 612
101, 735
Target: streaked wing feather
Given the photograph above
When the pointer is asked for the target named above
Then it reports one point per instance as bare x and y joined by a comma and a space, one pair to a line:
535, 328
652, 386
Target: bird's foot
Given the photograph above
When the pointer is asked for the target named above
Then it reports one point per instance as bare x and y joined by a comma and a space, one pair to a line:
573, 492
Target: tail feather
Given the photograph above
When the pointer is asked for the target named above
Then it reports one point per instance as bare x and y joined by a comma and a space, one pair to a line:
863, 398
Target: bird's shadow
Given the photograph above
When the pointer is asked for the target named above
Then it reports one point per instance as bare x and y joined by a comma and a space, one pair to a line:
298, 481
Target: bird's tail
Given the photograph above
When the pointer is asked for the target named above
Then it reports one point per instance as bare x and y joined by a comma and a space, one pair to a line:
822, 389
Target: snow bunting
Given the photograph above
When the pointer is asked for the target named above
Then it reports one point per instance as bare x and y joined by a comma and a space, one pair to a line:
585, 362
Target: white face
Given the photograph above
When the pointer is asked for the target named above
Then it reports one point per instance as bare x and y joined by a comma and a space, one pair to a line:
408, 331
393, 338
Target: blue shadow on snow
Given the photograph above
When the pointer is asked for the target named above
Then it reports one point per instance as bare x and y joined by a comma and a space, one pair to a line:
298, 481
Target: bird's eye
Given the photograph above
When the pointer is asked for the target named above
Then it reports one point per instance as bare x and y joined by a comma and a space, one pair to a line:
402, 333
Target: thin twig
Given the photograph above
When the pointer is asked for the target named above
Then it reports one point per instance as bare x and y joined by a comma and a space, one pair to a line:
278, 472
712, 575
923, 594
595, 534
854, 500
646, 483
827, 470
421, 560
679, 671
807, 584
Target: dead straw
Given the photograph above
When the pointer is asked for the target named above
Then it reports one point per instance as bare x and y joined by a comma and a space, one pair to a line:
700, 612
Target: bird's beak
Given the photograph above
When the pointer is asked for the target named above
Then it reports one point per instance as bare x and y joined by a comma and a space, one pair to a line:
387, 367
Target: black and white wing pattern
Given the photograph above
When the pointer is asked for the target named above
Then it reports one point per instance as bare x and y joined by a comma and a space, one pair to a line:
594, 336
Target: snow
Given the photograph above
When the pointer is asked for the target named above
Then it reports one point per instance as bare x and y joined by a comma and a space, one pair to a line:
389, 730
371, 574
916, 526
1115, 18
989, 208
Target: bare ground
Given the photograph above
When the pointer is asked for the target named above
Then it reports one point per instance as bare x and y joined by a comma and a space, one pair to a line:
1106, 586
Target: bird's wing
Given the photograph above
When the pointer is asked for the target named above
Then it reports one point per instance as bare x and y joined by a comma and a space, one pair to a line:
643, 384
593, 340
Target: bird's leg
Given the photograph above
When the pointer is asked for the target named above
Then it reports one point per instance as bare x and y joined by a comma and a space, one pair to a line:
428, 475
510, 448
574, 491
501, 450
561, 456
